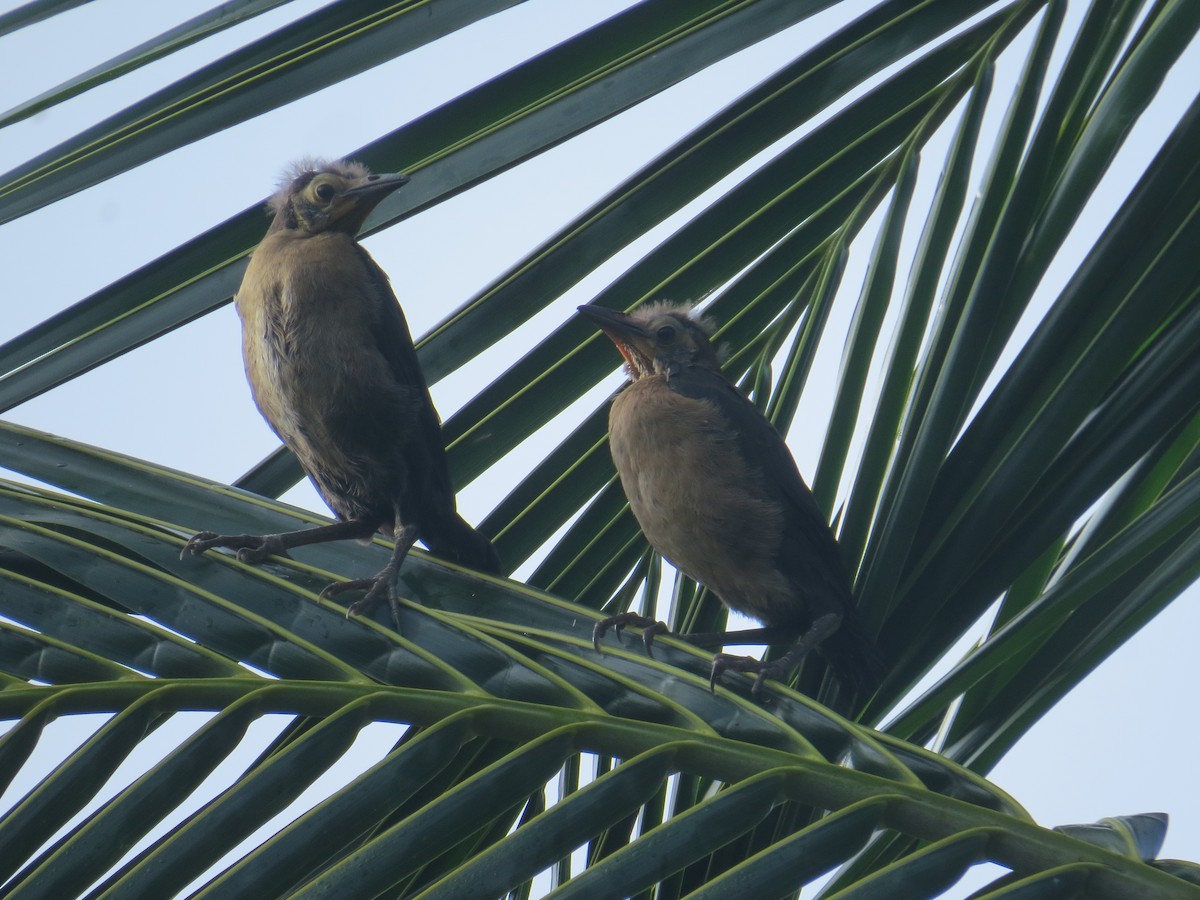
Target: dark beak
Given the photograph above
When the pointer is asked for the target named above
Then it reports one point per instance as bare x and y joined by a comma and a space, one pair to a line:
376, 187
617, 325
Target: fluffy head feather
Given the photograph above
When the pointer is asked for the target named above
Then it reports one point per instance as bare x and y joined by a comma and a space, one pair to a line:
303, 170
659, 338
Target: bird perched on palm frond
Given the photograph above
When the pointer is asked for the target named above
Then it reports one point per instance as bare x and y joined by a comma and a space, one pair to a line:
716, 492
333, 370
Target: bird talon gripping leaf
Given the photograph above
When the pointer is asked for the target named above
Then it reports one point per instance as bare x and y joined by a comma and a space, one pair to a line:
716, 492
650, 629
333, 370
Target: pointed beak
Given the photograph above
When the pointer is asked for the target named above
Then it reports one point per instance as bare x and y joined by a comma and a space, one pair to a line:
617, 325
376, 187
621, 329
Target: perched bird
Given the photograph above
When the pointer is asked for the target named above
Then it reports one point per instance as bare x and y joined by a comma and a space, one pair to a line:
333, 370
716, 492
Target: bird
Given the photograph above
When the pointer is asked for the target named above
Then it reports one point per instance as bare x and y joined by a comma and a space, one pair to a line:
716, 492
332, 368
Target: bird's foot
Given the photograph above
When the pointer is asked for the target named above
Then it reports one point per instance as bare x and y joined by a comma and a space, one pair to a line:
382, 586
251, 548
651, 628
782, 667
778, 669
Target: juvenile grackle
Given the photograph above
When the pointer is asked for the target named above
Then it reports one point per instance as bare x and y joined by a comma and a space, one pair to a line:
716, 492
333, 370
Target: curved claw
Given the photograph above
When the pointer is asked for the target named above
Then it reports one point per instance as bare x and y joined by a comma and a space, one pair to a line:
618, 622
713, 673
250, 548
198, 543
377, 588
650, 632
338, 587
366, 603
598, 632
619, 633
381, 587
778, 669
727, 662
756, 688
600, 629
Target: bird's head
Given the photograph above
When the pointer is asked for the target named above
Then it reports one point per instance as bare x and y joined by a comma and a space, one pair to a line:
317, 196
661, 338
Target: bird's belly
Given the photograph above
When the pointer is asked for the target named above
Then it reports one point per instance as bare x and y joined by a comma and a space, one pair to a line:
701, 506
281, 392
300, 402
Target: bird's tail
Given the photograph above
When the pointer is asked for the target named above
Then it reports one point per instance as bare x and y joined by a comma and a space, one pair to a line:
453, 539
854, 658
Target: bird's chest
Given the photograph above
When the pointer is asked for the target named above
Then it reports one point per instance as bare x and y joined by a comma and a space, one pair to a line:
677, 458
697, 498
665, 447
298, 321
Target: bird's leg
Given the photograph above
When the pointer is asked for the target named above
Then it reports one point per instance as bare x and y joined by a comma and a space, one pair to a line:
382, 585
766, 635
651, 628
822, 628
257, 547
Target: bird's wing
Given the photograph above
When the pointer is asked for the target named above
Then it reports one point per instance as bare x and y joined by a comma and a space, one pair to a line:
414, 433
757, 437
809, 554
392, 337
429, 501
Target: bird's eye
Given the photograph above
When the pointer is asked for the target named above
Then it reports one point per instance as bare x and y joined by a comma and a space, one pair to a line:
325, 192
666, 334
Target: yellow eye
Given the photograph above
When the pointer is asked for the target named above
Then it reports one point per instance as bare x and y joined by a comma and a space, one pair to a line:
325, 192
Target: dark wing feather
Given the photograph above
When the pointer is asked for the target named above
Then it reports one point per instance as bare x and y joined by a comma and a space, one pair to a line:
424, 451
808, 555
429, 499
392, 337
